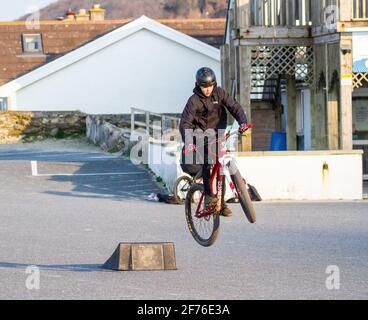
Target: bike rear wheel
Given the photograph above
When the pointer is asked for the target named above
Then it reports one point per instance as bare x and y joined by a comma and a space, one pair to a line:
204, 230
244, 199
181, 188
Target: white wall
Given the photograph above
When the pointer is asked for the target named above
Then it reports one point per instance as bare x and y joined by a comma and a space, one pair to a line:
286, 175
164, 162
144, 70
300, 176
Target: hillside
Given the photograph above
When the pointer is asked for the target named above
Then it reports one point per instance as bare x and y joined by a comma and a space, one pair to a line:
120, 9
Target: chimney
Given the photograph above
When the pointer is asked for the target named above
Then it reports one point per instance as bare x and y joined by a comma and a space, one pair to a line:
97, 13
82, 15
70, 15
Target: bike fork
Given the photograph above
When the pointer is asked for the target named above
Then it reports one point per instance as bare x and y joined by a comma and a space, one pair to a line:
231, 183
219, 194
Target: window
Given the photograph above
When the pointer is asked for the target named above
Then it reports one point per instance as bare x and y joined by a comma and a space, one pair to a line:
3, 104
32, 43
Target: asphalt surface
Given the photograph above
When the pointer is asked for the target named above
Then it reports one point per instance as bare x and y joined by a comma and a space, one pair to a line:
69, 219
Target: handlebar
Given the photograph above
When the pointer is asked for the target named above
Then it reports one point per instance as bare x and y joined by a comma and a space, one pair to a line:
227, 136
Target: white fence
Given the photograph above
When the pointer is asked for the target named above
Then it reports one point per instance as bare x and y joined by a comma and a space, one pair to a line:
153, 121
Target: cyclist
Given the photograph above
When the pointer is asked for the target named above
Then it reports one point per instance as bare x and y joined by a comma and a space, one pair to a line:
205, 110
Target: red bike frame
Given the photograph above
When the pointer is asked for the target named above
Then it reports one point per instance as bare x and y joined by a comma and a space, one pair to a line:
219, 187
216, 174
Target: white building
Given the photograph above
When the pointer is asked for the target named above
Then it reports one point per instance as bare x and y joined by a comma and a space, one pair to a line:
143, 64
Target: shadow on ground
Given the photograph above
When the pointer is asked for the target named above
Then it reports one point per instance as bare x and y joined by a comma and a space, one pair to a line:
56, 267
116, 179
91, 174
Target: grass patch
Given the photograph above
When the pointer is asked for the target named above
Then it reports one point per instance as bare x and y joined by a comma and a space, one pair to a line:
113, 150
60, 134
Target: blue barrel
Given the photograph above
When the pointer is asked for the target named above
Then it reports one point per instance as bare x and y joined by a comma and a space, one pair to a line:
278, 141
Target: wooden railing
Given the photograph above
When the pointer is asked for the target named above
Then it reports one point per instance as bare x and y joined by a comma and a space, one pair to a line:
325, 11
360, 10
294, 13
154, 122
274, 12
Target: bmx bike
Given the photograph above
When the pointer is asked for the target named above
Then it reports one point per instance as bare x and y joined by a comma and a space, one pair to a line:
203, 222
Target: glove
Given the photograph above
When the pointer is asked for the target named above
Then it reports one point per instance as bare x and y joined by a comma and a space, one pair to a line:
244, 127
190, 148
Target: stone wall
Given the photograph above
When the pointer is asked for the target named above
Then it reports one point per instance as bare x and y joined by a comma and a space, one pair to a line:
13, 125
28, 126
106, 131
118, 120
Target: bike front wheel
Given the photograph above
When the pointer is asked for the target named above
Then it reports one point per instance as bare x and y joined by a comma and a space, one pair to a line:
203, 229
243, 195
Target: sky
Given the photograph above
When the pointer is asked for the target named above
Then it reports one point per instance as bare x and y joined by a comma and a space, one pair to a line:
11, 10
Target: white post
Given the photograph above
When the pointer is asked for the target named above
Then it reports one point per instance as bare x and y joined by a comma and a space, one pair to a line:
147, 123
34, 168
132, 126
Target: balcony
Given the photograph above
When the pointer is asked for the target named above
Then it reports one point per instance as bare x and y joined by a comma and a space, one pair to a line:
297, 13
360, 10
283, 13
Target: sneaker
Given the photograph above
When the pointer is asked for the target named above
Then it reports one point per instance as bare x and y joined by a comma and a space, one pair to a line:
225, 211
209, 202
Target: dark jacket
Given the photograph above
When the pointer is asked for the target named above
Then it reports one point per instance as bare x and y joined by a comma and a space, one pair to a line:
204, 113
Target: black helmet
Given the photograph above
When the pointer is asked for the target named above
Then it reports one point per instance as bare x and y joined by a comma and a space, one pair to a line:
205, 77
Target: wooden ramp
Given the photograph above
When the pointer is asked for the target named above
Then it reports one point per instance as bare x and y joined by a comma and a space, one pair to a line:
142, 257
